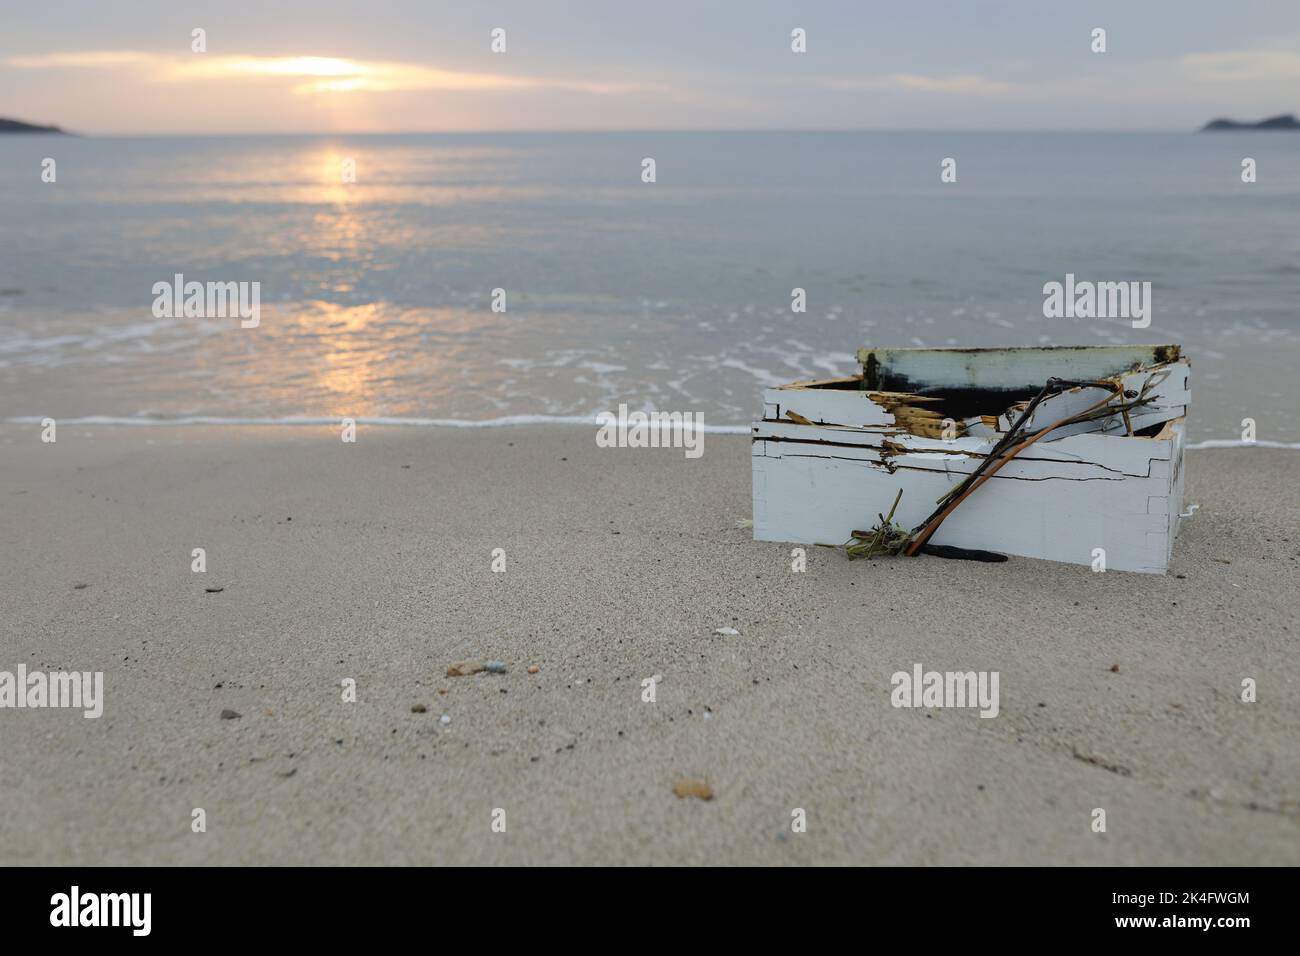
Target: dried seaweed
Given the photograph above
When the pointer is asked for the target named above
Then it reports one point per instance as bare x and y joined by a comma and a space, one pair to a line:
884, 538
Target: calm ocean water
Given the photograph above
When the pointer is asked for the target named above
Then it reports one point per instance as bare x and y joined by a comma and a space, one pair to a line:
376, 295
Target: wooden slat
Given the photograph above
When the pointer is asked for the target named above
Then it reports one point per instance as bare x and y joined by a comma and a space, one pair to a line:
925, 370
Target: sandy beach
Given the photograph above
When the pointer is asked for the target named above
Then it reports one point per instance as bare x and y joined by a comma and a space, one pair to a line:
373, 561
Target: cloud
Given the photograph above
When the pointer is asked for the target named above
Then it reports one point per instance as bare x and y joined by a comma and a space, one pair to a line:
917, 82
316, 74
1243, 65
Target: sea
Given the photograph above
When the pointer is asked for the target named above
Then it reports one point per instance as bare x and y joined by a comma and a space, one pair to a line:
475, 280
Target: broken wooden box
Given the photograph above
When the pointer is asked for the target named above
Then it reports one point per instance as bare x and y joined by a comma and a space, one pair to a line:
1105, 473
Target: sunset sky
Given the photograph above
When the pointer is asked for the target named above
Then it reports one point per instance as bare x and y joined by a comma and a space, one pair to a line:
417, 65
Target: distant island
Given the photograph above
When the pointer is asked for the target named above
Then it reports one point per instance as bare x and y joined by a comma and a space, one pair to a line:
17, 126
1285, 121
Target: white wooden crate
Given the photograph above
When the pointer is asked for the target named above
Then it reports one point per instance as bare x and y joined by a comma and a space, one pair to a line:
814, 482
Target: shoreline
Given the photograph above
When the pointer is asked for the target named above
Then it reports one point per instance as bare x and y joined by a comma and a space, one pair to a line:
509, 421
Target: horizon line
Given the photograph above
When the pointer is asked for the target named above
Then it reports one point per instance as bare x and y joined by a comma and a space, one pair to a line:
140, 134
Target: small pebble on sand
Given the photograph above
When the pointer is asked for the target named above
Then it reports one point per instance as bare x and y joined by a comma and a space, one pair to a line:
444, 720
727, 631
229, 714
495, 667
464, 668
533, 668
693, 788
419, 709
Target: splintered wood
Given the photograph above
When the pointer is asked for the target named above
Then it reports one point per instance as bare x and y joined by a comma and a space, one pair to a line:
913, 414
